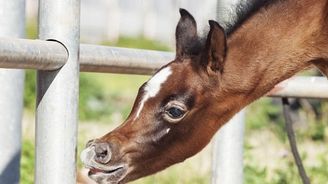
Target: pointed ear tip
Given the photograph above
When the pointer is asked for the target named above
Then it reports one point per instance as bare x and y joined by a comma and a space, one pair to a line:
183, 12
213, 23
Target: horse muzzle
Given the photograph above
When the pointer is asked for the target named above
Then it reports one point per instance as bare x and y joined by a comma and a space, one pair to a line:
97, 157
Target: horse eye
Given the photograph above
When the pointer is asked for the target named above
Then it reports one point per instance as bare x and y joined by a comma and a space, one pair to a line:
175, 112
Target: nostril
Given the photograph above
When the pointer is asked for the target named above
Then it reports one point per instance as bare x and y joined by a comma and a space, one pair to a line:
103, 153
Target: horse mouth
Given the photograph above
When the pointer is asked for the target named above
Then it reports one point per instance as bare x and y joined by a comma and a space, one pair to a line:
93, 171
112, 176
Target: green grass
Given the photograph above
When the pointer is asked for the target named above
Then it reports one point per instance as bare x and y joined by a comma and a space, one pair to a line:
27, 162
103, 96
138, 42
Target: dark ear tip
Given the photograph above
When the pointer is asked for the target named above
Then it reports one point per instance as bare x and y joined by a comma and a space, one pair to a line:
184, 12
214, 24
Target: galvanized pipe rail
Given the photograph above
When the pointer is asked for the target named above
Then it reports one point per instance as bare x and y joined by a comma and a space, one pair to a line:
31, 54
48, 55
12, 24
94, 58
57, 95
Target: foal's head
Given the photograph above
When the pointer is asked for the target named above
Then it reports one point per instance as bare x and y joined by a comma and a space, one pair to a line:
174, 115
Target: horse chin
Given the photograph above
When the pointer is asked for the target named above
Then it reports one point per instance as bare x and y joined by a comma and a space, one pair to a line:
114, 176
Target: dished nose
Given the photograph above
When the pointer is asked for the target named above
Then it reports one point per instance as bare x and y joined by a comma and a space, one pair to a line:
103, 153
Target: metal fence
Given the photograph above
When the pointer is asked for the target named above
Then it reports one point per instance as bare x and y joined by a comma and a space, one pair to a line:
58, 57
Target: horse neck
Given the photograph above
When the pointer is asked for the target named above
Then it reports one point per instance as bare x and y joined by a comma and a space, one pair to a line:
272, 45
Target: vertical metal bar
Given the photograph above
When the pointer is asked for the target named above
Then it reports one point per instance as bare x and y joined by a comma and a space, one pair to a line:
57, 96
12, 24
227, 162
228, 152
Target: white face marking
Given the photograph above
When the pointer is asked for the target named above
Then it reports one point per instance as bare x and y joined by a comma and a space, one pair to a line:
153, 86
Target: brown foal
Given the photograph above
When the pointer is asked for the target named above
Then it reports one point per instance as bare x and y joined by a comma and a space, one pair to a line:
177, 112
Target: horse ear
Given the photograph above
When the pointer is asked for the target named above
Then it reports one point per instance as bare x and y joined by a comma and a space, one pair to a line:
215, 48
185, 33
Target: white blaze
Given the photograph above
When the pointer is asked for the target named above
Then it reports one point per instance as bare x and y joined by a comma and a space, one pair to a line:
153, 86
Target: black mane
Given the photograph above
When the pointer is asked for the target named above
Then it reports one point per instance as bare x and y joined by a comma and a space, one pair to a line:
239, 14
243, 11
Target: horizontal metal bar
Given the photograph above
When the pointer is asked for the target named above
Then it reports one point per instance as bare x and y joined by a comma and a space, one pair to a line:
51, 55
301, 87
94, 58
48, 55
31, 54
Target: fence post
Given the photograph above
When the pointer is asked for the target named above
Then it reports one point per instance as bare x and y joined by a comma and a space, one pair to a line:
57, 96
228, 143
228, 152
12, 24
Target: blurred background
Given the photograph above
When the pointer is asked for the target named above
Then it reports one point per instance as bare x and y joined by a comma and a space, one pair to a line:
106, 99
